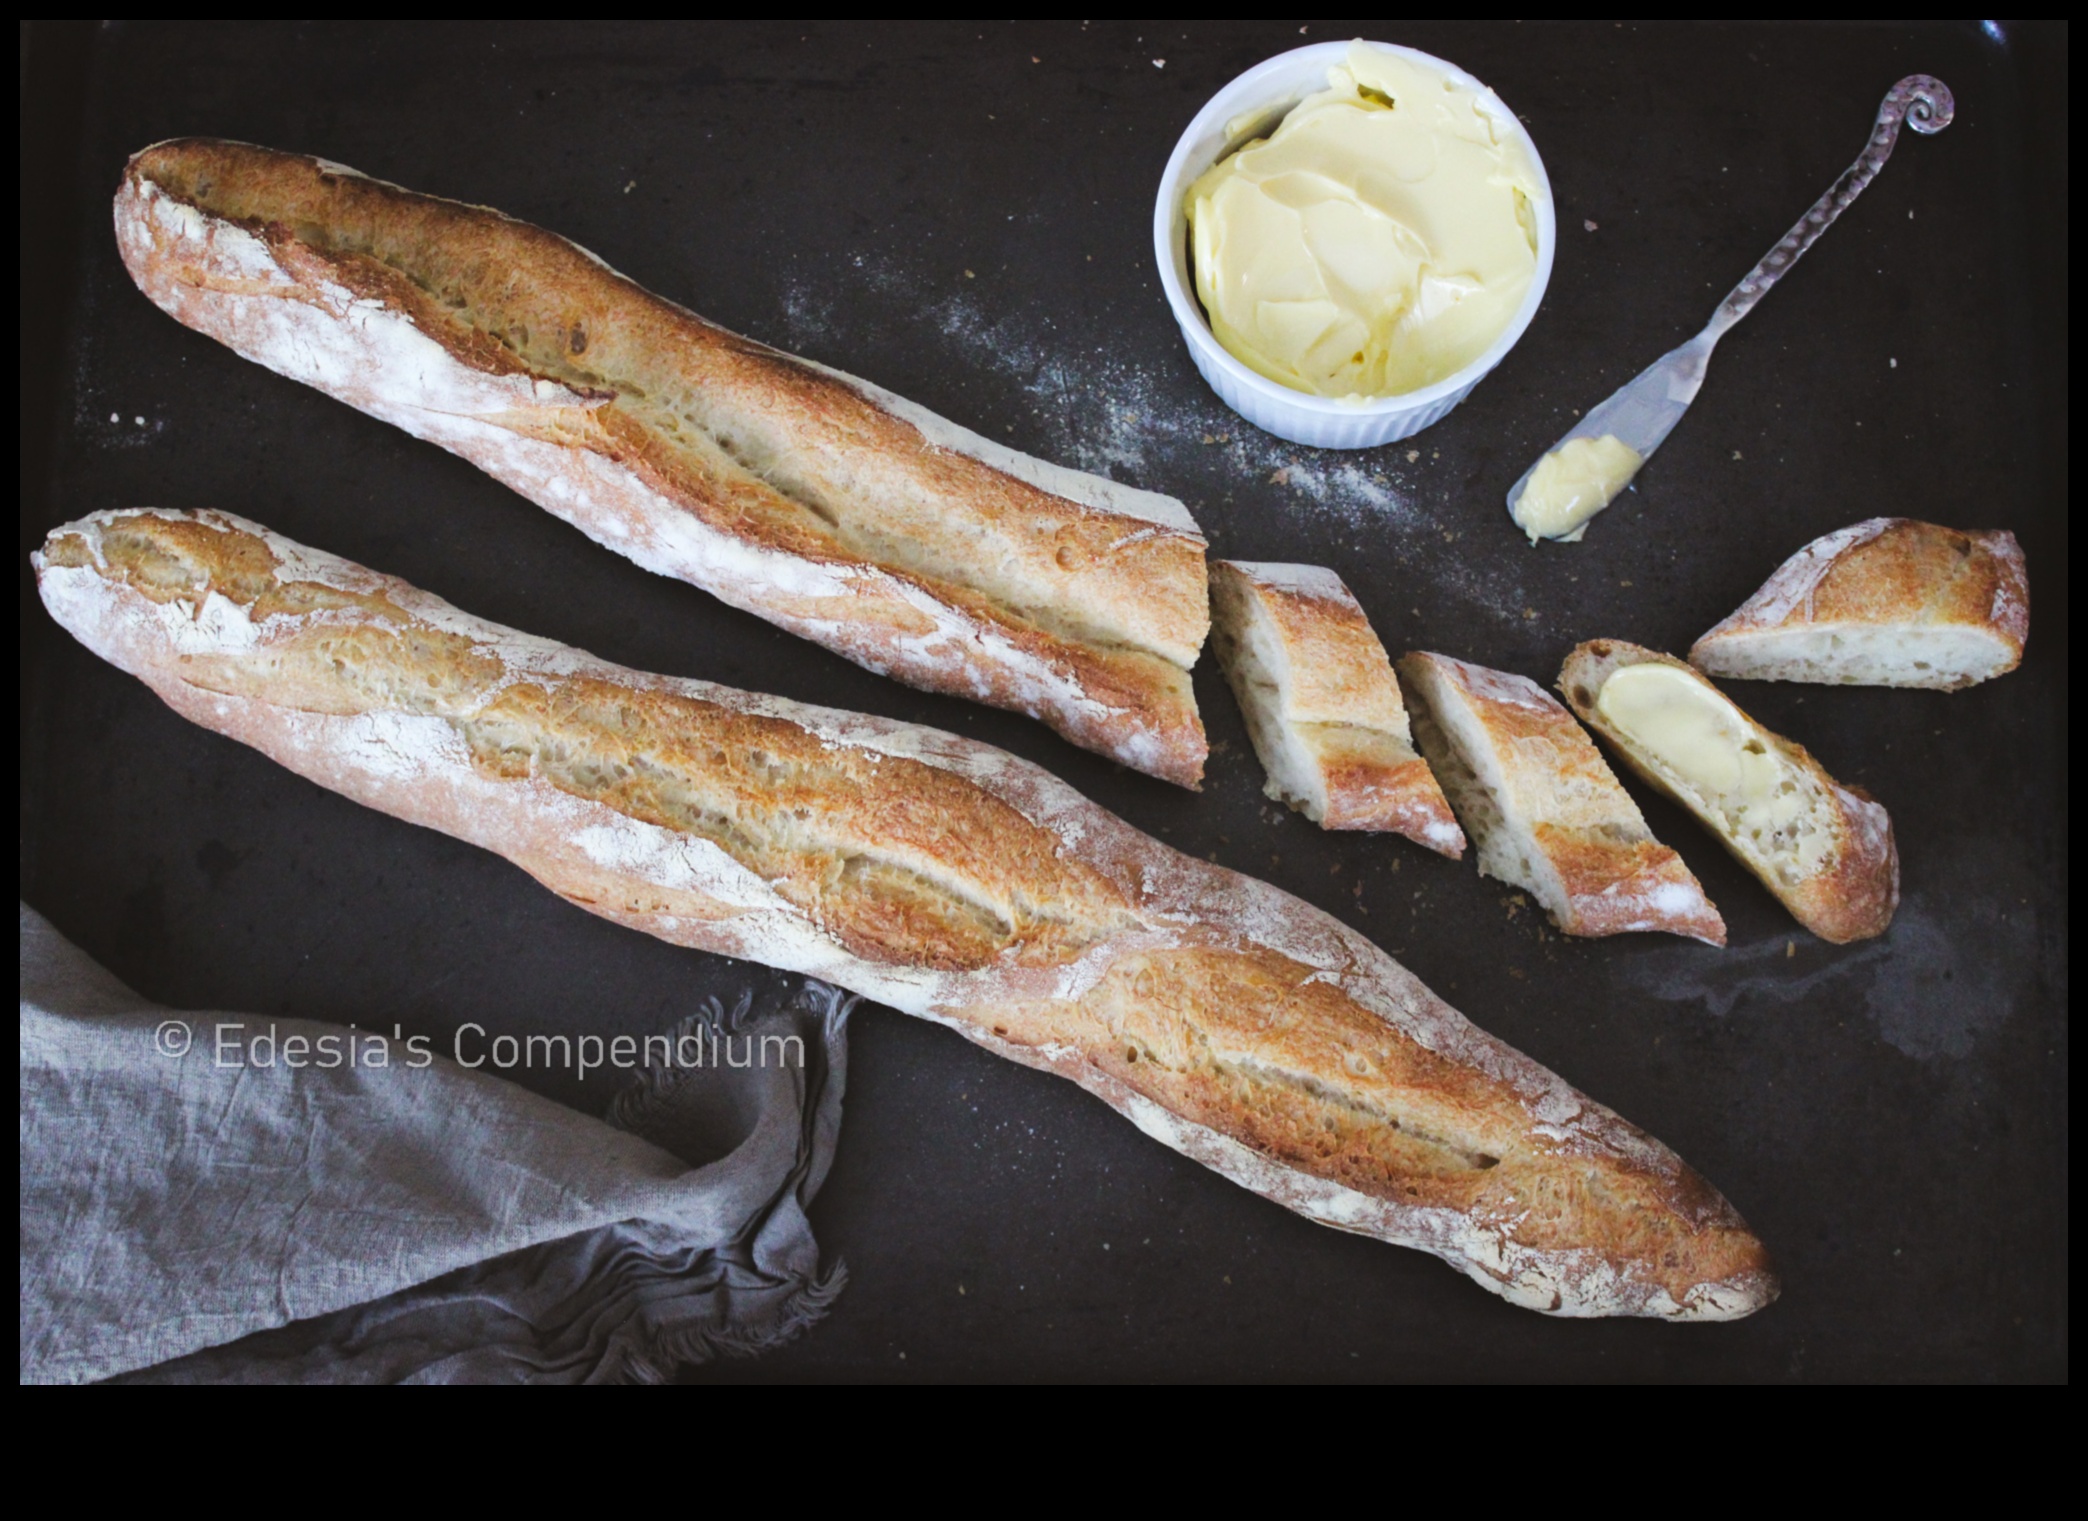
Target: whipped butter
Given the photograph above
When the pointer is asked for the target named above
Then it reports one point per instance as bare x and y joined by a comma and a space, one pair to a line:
1573, 483
1707, 745
1378, 241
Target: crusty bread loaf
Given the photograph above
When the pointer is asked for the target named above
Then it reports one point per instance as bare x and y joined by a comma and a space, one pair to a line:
1321, 703
940, 876
1825, 850
1547, 813
1886, 603
817, 501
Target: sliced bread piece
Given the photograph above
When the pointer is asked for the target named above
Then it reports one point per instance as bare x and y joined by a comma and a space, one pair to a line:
1322, 704
1824, 849
1887, 603
1547, 812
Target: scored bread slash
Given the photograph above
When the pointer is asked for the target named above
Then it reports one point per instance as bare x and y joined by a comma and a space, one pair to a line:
1546, 811
945, 878
1322, 705
820, 502
1890, 603
1825, 850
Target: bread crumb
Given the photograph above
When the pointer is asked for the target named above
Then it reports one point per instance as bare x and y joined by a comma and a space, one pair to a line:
1280, 477
1589, 225
1790, 948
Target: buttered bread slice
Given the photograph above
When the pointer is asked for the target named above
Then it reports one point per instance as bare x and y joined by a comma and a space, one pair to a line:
1322, 705
1547, 812
1824, 849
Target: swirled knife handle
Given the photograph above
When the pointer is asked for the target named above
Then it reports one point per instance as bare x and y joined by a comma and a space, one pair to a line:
1923, 103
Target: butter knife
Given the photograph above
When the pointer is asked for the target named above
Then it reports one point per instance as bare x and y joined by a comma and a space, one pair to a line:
1639, 417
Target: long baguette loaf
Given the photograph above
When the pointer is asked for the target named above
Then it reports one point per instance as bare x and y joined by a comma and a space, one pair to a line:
815, 500
942, 877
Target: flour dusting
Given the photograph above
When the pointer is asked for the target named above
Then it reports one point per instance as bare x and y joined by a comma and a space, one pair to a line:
1101, 412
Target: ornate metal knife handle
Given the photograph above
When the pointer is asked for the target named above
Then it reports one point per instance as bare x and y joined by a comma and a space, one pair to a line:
1925, 104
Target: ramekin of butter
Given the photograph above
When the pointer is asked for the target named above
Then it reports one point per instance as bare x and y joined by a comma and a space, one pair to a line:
1351, 236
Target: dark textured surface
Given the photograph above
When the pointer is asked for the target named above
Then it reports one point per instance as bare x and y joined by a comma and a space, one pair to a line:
963, 217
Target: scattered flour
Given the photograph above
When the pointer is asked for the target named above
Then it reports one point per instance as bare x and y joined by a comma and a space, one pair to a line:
1100, 411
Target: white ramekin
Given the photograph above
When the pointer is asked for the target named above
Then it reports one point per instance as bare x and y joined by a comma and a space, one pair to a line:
1321, 421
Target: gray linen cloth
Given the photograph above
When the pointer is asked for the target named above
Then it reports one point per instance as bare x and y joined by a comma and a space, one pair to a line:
188, 1221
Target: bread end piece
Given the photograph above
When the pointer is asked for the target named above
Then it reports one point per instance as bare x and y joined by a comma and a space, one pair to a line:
1547, 813
1322, 705
1825, 850
1890, 602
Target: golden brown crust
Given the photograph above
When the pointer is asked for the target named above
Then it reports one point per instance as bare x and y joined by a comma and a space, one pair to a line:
1322, 705
779, 486
1850, 896
1340, 672
1368, 792
1923, 572
943, 877
1546, 809
1889, 575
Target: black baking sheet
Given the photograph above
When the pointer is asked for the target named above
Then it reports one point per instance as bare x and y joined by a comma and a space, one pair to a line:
962, 213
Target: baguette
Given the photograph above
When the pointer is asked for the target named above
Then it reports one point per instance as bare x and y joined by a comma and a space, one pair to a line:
947, 879
1549, 816
1887, 603
817, 501
1322, 705
1826, 851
